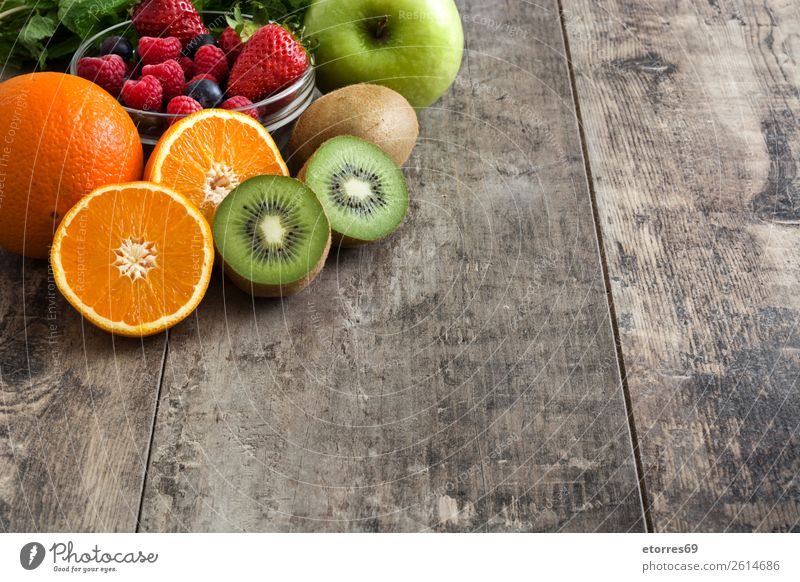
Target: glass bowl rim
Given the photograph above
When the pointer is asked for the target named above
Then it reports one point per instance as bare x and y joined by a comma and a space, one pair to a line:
307, 76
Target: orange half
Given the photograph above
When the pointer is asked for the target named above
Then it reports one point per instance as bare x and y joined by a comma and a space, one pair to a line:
207, 154
134, 259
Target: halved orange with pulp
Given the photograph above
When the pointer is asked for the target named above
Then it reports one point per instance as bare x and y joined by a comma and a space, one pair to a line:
134, 259
207, 154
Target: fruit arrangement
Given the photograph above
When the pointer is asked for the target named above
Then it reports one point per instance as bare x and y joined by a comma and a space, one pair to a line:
132, 246
177, 66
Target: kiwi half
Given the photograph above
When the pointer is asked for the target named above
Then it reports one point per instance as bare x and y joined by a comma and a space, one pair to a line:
272, 235
362, 190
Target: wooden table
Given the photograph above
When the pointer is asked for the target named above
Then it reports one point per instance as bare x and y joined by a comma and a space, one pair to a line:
588, 323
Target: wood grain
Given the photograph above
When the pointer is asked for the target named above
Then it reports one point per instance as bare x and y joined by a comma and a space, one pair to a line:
460, 376
76, 411
690, 115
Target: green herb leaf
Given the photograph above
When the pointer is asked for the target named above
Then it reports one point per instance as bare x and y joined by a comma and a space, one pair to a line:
84, 17
36, 30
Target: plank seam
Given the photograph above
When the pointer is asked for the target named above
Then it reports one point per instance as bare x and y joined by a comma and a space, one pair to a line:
637, 457
152, 433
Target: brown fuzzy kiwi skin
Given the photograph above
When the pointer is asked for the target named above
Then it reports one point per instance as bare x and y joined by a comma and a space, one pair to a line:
374, 113
339, 239
260, 290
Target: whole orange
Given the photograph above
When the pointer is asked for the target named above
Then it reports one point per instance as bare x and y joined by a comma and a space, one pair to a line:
60, 138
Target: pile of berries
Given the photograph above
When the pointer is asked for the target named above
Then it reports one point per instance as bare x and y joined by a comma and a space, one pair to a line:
177, 67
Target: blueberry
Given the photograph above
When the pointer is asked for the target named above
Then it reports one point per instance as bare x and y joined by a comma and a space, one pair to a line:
206, 93
117, 45
198, 41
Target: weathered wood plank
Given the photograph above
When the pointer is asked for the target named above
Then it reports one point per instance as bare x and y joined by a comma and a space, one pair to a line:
76, 411
459, 376
690, 112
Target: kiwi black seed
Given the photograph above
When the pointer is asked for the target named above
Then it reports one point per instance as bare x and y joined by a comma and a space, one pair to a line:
361, 188
272, 235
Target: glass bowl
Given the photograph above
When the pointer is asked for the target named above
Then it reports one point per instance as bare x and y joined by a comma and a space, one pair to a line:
276, 113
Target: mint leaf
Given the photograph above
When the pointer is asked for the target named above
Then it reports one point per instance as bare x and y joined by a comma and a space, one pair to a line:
83, 17
36, 30
23, 24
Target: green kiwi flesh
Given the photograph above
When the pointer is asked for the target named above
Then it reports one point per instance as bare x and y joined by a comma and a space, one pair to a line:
272, 235
361, 188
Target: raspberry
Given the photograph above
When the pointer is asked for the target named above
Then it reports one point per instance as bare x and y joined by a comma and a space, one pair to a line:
182, 105
239, 102
231, 44
191, 47
107, 71
187, 65
170, 74
153, 51
211, 60
145, 94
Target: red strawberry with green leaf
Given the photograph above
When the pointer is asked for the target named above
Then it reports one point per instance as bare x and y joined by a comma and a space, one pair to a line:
176, 18
271, 60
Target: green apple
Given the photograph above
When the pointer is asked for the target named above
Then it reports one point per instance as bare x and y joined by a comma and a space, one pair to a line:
411, 46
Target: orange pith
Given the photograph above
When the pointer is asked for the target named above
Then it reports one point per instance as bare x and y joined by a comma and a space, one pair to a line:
134, 258
208, 153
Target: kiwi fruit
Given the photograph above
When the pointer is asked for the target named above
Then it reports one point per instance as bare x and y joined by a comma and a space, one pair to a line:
361, 188
273, 236
372, 112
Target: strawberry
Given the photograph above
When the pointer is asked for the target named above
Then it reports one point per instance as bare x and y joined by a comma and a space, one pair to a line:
271, 60
176, 18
